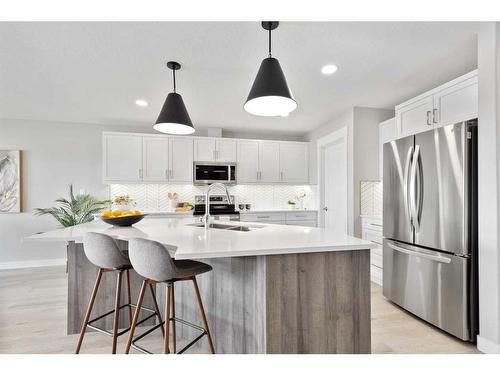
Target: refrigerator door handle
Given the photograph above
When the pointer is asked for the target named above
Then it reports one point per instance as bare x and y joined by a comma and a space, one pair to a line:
405, 183
414, 210
436, 258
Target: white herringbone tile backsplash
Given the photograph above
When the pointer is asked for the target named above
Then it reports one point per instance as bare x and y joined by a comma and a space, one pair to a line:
152, 197
371, 198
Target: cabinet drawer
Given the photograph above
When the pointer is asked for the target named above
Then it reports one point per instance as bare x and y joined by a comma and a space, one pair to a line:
376, 274
302, 216
303, 223
376, 259
373, 236
266, 217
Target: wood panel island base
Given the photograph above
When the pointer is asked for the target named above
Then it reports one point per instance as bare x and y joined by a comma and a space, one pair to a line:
275, 289
292, 303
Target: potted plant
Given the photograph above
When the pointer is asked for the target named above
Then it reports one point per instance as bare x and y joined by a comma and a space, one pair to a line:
123, 202
79, 209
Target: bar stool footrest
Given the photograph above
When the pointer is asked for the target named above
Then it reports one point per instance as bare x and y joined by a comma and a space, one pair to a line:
125, 330
182, 321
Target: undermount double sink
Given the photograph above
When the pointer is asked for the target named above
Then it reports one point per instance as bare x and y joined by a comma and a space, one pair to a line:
237, 228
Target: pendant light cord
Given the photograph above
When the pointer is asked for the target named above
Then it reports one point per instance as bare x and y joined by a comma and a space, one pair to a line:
269, 39
173, 72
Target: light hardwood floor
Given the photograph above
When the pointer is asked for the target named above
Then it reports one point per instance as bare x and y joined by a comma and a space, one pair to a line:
33, 307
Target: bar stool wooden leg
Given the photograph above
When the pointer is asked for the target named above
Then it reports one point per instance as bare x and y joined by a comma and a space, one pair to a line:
173, 319
166, 349
129, 298
89, 311
157, 308
116, 321
203, 316
136, 316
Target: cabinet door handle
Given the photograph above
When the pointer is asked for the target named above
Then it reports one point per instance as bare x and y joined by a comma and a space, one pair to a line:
171, 173
428, 117
140, 173
257, 174
167, 174
434, 116
281, 176
260, 175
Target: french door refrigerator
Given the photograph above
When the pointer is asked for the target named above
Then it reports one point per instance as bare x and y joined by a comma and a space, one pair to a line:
430, 226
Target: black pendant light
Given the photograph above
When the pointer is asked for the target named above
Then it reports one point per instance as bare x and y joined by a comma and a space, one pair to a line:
174, 118
270, 95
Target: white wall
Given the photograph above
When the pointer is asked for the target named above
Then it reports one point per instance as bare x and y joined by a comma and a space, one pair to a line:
365, 152
54, 156
489, 188
363, 134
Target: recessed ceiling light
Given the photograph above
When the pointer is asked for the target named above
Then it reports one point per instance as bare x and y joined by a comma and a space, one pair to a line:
141, 103
329, 69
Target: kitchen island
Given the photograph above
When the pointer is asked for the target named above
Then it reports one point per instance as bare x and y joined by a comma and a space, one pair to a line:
273, 288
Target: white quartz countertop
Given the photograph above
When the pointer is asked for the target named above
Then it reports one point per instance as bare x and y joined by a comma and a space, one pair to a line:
190, 242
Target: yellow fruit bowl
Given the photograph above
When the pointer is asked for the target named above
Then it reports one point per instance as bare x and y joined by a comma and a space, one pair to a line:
121, 218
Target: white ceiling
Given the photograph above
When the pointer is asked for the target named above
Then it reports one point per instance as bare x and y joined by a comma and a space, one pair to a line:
94, 72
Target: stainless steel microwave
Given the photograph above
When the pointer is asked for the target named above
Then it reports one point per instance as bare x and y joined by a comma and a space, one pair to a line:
210, 172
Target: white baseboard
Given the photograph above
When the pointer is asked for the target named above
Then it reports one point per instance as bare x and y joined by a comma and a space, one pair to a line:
487, 346
32, 264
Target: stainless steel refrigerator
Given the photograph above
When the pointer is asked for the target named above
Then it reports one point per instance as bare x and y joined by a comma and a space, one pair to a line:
430, 226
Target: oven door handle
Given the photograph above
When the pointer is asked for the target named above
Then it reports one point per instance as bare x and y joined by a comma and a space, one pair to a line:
436, 258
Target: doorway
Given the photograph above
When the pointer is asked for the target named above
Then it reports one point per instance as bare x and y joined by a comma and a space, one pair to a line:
333, 181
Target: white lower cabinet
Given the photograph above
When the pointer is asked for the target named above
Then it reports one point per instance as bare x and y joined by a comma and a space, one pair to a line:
372, 231
302, 218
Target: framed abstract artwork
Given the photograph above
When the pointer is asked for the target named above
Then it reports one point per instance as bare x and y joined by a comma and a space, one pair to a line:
10, 181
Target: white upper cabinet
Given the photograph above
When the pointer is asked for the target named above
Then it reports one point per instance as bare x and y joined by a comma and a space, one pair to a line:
218, 150
204, 149
155, 159
122, 158
181, 160
456, 103
453, 102
415, 117
269, 162
247, 170
144, 158
225, 150
294, 162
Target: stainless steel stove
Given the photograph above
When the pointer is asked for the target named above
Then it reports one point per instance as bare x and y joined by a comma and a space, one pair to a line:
220, 208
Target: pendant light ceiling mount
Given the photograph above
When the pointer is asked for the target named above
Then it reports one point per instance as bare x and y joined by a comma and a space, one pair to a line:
174, 118
270, 95
270, 25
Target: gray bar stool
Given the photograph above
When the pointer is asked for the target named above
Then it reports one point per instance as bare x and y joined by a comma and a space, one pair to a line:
102, 251
152, 260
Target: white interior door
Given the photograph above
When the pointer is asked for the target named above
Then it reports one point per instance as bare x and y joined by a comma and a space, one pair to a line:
333, 184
